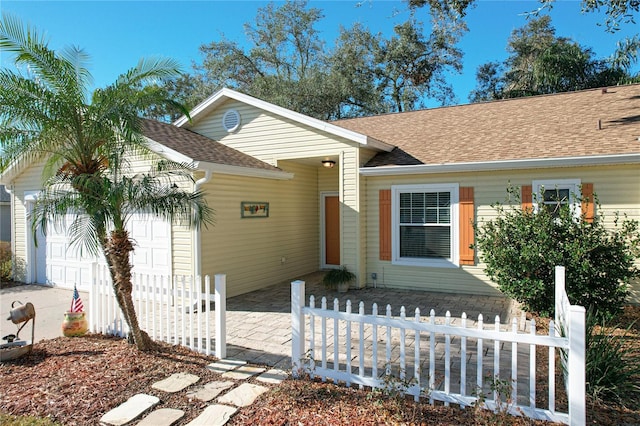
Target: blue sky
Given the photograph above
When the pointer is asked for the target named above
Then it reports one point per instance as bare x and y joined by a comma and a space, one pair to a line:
118, 33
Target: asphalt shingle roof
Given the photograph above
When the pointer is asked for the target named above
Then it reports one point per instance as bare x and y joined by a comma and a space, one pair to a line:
584, 123
198, 147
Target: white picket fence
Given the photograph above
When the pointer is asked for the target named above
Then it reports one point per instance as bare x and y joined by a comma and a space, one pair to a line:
356, 348
174, 310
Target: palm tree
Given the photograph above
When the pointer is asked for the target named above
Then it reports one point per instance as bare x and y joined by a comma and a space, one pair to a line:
86, 143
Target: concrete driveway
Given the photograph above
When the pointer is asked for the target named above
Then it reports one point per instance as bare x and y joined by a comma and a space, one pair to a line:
50, 304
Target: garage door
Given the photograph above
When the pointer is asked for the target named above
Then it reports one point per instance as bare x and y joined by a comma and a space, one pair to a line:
152, 239
66, 265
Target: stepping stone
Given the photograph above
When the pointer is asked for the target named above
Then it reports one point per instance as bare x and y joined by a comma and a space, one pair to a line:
162, 417
273, 376
209, 391
242, 373
224, 365
243, 395
129, 410
176, 382
214, 415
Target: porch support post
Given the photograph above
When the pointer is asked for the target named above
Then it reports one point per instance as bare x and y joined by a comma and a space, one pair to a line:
297, 326
221, 315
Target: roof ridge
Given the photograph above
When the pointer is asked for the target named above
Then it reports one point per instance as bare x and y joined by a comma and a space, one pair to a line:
475, 104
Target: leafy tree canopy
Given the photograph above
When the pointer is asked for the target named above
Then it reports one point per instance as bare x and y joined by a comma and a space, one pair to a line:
288, 64
541, 63
616, 11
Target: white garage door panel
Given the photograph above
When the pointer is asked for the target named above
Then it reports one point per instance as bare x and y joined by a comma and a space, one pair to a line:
140, 230
152, 255
57, 250
152, 238
142, 257
57, 274
160, 229
160, 259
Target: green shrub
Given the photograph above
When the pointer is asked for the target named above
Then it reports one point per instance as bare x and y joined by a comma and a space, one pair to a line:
612, 372
521, 248
5, 261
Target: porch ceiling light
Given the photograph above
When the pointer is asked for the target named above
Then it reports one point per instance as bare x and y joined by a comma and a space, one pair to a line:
329, 164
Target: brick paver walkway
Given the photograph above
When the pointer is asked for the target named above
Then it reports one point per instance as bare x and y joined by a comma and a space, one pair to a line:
259, 323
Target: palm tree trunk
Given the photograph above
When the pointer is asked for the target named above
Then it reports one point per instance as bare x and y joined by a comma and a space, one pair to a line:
117, 250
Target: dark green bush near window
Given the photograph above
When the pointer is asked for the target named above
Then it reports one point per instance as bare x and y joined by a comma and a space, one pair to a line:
521, 248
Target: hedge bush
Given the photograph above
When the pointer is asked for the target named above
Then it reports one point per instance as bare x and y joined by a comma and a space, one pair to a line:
521, 248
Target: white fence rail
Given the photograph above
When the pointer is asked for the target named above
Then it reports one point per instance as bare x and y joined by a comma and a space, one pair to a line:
176, 311
441, 361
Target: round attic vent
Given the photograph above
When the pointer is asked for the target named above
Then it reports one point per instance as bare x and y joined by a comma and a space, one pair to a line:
231, 120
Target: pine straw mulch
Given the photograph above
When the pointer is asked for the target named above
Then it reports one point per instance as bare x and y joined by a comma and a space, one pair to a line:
74, 381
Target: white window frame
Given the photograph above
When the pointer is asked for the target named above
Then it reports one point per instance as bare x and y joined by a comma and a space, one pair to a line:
454, 260
573, 185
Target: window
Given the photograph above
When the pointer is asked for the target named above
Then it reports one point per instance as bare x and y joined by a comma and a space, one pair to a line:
425, 225
556, 194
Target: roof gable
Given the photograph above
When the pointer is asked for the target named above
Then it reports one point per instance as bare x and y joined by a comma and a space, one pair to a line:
210, 104
194, 147
600, 122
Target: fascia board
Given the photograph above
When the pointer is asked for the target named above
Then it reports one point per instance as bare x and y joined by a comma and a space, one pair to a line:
211, 102
243, 171
177, 157
168, 153
13, 171
595, 160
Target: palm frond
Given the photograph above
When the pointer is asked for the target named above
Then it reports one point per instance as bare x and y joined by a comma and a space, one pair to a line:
31, 49
150, 71
14, 35
79, 58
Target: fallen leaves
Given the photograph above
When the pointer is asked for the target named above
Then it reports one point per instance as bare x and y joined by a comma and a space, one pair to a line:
75, 381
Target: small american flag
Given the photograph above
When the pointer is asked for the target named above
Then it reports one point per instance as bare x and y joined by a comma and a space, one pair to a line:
76, 303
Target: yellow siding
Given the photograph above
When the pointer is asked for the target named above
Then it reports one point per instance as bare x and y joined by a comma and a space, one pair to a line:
328, 179
181, 248
274, 139
258, 252
269, 137
29, 180
350, 212
616, 187
363, 276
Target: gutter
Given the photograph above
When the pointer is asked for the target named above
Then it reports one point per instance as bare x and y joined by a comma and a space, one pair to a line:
243, 171
197, 232
538, 163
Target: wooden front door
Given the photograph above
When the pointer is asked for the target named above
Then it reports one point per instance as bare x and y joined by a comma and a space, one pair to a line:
332, 230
